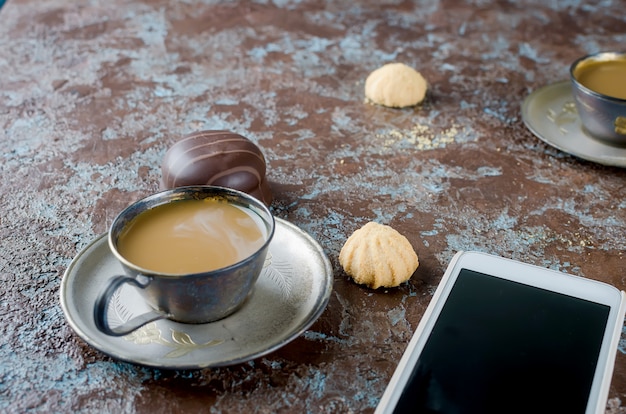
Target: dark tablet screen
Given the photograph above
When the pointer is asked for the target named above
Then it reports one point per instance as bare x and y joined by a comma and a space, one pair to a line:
505, 347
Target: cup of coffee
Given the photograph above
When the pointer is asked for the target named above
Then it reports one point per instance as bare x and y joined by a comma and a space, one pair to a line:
599, 89
194, 253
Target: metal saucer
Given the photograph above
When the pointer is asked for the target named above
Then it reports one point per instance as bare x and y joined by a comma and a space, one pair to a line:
550, 114
291, 293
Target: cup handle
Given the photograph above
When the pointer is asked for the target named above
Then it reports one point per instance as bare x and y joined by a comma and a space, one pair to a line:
101, 308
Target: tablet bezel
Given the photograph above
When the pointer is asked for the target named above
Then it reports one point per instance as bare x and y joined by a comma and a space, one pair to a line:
531, 275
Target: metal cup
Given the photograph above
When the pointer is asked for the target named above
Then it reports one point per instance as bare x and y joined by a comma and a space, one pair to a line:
604, 117
193, 298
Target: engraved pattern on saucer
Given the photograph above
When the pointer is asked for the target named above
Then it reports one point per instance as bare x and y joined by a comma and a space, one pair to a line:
550, 114
291, 293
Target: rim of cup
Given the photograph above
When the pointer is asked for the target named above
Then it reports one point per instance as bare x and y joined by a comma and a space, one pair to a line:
168, 196
596, 57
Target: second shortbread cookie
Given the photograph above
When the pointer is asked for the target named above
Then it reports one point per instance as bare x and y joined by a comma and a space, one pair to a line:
395, 85
377, 255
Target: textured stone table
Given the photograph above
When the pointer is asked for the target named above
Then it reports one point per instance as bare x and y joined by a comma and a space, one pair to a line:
93, 93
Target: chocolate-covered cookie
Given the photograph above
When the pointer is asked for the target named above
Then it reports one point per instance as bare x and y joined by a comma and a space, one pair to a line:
220, 158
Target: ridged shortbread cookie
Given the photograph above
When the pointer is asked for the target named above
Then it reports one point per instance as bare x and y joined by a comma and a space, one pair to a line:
377, 255
395, 85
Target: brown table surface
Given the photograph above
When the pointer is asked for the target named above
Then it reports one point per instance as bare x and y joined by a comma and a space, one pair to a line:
93, 93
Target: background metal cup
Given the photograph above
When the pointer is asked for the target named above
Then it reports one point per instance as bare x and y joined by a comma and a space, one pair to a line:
604, 117
195, 298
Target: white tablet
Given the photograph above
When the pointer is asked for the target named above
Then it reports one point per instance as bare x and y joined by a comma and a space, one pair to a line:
500, 336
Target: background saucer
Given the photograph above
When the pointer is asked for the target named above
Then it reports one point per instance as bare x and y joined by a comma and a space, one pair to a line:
291, 293
550, 113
